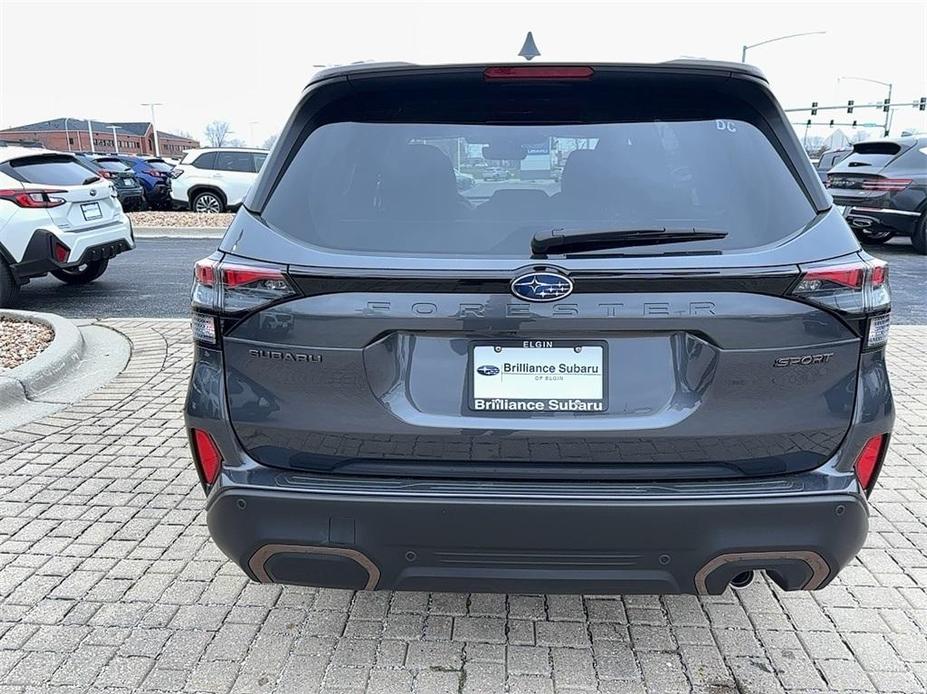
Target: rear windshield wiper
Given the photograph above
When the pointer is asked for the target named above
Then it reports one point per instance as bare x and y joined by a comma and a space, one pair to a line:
573, 241
89, 180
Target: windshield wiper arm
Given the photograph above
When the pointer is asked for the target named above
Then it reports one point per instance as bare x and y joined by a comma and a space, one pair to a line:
573, 241
89, 180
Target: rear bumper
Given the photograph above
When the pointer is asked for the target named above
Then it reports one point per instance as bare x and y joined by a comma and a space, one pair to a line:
85, 246
410, 541
899, 221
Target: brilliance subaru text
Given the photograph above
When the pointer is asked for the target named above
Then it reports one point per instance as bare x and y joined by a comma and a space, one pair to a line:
649, 359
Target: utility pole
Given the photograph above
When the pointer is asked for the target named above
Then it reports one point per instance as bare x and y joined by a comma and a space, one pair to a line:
67, 134
90, 128
115, 141
154, 127
888, 110
743, 53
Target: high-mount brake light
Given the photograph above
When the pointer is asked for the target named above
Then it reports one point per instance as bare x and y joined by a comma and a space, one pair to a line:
538, 72
858, 289
33, 198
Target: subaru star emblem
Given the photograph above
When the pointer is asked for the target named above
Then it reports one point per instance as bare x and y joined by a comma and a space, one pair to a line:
488, 370
542, 286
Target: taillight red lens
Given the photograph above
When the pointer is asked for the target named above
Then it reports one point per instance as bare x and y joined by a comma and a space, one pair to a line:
105, 174
860, 287
235, 287
886, 184
206, 455
238, 275
867, 464
32, 198
843, 275
537, 72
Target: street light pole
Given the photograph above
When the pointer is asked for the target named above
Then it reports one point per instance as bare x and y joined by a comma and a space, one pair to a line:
67, 133
90, 129
115, 142
888, 113
743, 53
154, 127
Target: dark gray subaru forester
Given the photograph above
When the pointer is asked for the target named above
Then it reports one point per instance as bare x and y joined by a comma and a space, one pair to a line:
539, 328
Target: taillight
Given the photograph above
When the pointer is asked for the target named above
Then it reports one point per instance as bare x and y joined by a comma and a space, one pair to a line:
867, 464
152, 172
886, 184
858, 289
32, 198
206, 455
105, 174
535, 72
232, 288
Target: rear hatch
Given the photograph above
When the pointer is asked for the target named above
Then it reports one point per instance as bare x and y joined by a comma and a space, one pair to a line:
377, 320
864, 179
89, 200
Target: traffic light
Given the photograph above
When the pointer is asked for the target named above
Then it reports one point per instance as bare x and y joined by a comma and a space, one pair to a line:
850, 106
922, 104
814, 108
885, 104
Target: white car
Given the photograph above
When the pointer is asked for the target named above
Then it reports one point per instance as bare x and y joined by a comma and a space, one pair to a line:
56, 216
215, 179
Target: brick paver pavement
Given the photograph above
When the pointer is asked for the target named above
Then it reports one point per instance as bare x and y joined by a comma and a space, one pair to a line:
109, 582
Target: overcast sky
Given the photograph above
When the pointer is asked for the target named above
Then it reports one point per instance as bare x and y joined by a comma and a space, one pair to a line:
246, 62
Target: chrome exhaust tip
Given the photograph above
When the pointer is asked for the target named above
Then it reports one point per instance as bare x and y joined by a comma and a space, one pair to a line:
742, 580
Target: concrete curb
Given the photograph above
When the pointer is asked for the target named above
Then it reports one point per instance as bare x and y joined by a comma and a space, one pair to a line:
50, 365
179, 232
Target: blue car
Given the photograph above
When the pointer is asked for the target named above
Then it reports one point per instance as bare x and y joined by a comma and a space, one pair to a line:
155, 176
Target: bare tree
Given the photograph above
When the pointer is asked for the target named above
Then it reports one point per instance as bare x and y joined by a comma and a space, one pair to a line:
269, 142
217, 133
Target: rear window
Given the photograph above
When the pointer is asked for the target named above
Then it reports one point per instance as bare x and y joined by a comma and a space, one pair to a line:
50, 170
477, 170
871, 155
111, 165
159, 165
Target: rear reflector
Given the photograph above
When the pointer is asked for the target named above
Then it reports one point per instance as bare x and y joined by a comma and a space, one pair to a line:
868, 461
61, 251
538, 72
206, 455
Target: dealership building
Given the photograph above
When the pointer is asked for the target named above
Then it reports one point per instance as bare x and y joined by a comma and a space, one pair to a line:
78, 135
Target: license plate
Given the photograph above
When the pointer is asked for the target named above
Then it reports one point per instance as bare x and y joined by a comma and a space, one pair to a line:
91, 211
538, 376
